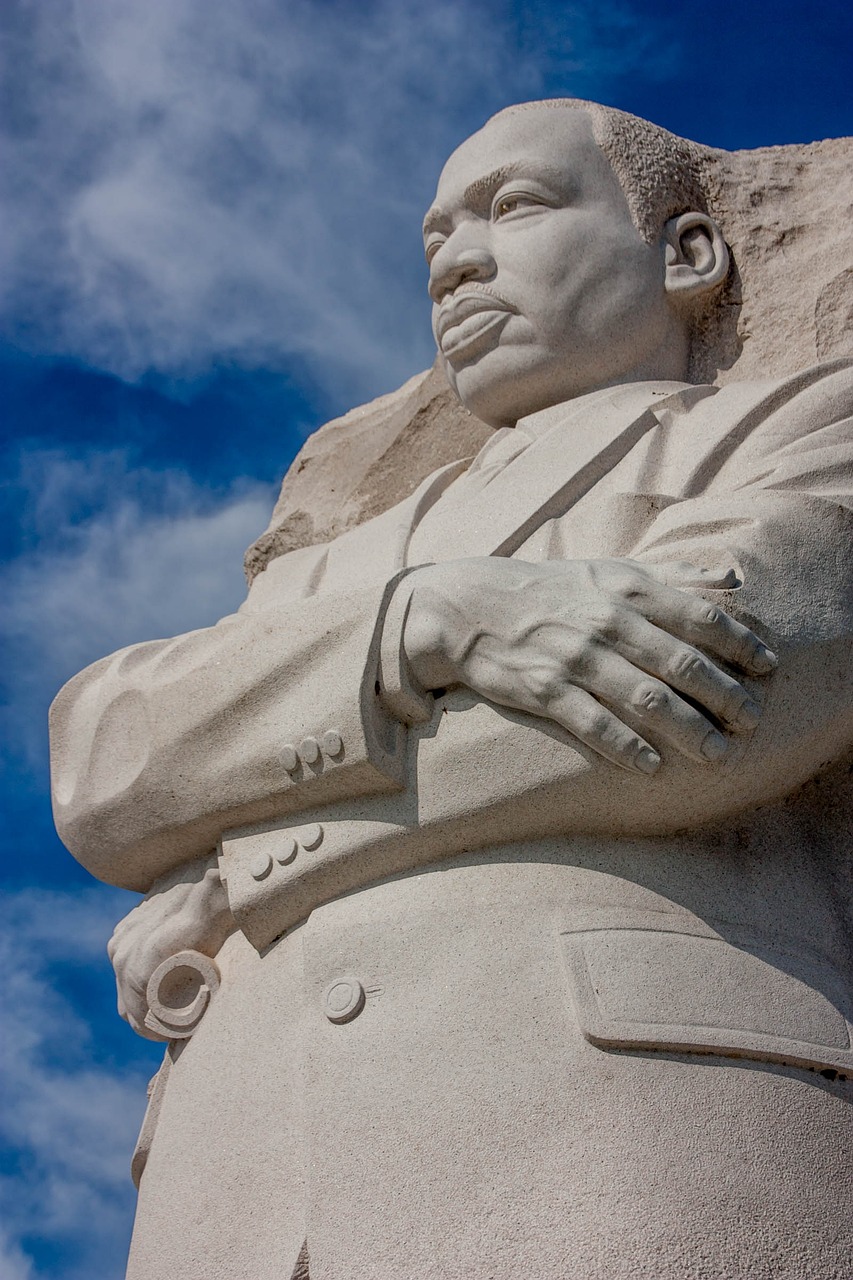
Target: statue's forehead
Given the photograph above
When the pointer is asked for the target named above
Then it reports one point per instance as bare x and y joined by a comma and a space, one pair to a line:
558, 139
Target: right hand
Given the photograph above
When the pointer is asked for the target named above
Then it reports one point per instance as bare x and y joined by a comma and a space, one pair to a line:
177, 914
605, 648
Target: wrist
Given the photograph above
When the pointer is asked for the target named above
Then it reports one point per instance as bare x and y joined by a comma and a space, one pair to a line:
426, 632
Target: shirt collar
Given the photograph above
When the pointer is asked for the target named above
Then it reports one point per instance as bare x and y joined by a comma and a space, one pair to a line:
538, 424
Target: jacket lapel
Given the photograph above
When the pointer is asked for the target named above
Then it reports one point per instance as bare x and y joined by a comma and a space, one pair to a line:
578, 447
377, 548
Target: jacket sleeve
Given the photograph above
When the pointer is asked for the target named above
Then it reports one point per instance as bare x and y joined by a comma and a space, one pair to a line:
776, 505
770, 495
158, 748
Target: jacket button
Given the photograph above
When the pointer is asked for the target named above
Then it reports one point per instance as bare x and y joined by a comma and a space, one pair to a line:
289, 757
343, 999
311, 837
309, 750
287, 850
333, 743
260, 866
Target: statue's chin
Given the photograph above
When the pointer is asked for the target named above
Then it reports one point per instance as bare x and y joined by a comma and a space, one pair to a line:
487, 385
499, 389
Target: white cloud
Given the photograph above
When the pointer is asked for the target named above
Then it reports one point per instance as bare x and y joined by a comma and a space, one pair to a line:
14, 1264
71, 1123
194, 180
121, 554
162, 557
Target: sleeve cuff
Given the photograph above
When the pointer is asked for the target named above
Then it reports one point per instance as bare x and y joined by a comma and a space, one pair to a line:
400, 693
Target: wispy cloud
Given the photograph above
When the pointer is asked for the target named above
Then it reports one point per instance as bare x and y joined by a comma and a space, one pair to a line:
194, 180
121, 555
69, 1121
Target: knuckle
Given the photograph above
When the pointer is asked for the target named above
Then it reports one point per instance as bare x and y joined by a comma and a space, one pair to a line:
649, 698
544, 685
576, 653
687, 665
746, 648
710, 615
606, 627
581, 662
627, 746
592, 723
628, 583
732, 703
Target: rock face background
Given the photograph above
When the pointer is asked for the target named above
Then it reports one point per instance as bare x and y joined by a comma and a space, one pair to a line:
787, 213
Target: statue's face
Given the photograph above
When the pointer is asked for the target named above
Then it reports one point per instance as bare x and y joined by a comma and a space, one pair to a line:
543, 288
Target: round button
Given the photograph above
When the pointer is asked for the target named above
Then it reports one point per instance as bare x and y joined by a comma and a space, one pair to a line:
333, 743
312, 837
260, 866
343, 1000
287, 850
289, 757
309, 750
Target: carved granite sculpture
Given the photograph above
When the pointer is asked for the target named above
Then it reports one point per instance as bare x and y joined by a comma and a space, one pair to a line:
497, 852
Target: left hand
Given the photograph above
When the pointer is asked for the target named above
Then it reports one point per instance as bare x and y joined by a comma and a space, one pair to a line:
176, 915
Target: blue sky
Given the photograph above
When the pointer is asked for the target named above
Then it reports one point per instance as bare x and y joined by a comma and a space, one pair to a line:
211, 245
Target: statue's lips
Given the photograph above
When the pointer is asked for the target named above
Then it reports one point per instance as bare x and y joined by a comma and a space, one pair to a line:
465, 320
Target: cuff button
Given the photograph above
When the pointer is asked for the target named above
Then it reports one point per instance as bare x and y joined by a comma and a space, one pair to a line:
309, 750
289, 758
312, 837
333, 743
260, 866
287, 851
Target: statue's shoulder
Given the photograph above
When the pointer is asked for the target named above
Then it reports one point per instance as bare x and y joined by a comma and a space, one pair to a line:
826, 383
787, 408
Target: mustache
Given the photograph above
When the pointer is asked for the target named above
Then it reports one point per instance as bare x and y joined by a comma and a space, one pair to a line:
466, 300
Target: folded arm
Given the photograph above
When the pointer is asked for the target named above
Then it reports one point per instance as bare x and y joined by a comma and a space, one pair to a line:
643, 665
159, 748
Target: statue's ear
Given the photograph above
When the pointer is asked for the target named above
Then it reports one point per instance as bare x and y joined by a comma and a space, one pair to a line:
696, 256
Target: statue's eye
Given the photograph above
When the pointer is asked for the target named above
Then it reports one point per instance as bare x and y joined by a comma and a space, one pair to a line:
431, 249
513, 202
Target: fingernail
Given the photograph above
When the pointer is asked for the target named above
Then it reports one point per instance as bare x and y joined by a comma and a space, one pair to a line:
764, 660
647, 761
714, 746
748, 715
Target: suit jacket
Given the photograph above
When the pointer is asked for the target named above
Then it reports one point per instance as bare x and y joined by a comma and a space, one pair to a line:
162, 747
702, 916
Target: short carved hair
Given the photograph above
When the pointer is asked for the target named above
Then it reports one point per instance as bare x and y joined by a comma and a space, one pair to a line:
661, 174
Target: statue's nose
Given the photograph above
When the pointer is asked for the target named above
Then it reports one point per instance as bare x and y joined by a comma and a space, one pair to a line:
451, 267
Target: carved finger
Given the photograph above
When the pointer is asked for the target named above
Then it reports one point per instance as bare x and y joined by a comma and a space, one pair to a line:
709, 627
682, 574
659, 709
688, 671
598, 727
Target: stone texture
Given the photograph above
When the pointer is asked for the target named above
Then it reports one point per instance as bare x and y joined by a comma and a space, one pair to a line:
787, 213
359, 465
531, 904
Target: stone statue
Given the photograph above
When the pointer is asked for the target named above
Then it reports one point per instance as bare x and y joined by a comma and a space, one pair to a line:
497, 851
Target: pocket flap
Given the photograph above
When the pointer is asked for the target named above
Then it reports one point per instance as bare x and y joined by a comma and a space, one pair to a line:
645, 980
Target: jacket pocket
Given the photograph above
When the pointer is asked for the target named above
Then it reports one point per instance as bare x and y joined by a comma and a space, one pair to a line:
650, 980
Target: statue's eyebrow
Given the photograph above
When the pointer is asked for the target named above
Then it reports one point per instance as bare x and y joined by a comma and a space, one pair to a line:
482, 189
479, 192
436, 220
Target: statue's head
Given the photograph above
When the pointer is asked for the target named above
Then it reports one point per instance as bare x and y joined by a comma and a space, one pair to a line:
570, 248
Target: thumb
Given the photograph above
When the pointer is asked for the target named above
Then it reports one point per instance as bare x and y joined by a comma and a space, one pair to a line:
681, 574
